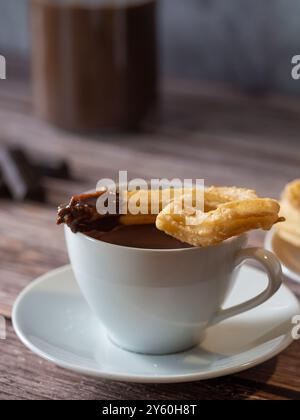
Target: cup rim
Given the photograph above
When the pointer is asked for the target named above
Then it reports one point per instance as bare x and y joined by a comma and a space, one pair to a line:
241, 238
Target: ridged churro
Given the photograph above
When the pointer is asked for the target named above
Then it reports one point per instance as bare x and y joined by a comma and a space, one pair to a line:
234, 218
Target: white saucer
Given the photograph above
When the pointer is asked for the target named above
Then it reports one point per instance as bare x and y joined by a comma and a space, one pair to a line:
288, 254
53, 320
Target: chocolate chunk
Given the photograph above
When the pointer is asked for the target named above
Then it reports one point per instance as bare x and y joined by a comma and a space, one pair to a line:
4, 193
53, 168
81, 214
19, 176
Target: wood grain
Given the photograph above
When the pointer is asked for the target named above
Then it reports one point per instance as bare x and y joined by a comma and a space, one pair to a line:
202, 132
25, 376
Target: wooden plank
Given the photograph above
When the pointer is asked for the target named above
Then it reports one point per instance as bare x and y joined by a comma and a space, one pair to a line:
25, 376
280, 372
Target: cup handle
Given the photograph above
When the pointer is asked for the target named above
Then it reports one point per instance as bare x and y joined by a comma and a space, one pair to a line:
274, 271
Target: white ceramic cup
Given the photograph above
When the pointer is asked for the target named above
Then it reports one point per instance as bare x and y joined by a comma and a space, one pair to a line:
162, 301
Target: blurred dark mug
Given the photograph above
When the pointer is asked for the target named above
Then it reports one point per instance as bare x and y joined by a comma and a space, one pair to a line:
94, 62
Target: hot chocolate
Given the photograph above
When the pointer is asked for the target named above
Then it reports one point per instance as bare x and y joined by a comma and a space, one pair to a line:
139, 236
94, 62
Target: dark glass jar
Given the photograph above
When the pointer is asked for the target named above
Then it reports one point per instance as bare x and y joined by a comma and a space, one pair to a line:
94, 62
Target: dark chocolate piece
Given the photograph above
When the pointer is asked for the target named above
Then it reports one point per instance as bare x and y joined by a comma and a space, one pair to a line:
53, 168
19, 176
81, 214
4, 193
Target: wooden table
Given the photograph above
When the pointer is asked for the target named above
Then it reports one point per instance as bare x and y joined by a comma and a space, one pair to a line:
203, 132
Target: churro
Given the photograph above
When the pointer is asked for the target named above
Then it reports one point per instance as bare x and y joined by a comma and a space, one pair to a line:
230, 219
290, 209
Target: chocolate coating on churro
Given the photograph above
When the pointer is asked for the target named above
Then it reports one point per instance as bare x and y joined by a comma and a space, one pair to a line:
81, 214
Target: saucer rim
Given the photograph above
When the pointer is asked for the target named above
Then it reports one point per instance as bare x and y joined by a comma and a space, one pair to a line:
292, 275
285, 342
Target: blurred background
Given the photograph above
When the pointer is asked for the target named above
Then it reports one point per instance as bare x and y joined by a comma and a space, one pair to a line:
193, 88
248, 43
199, 79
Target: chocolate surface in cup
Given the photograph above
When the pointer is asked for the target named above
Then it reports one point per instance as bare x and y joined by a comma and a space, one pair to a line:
94, 62
138, 236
